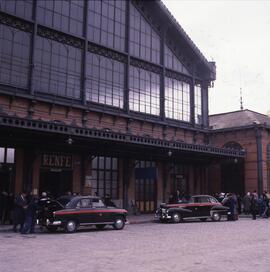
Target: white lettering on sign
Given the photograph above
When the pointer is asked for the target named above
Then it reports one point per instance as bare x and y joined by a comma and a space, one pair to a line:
55, 160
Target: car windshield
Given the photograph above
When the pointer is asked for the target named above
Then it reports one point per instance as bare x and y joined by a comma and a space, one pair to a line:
64, 200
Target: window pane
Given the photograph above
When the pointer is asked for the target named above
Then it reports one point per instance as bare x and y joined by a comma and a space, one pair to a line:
2, 154
177, 100
144, 91
105, 81
10, 155
144, 41
64, 15
59, 66
107, 19
14, 56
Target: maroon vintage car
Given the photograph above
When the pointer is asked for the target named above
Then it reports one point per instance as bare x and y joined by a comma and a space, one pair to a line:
71, 213
198, 207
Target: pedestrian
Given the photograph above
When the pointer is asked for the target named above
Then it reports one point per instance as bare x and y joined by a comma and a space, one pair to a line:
266, 205
253, 206
30, 215
230, 202
19, 212
10, 206
108, 201
4, 206
246, 203
239, 204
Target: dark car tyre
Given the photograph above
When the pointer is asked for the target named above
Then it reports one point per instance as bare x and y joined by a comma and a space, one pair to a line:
215, 216
100, 227
119, 223
176, 217
203, 219
71, 226
52, 228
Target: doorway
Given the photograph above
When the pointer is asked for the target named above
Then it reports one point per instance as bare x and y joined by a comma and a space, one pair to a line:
57, 183
145, 186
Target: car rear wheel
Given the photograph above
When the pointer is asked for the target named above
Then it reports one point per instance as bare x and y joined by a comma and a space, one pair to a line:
216, 216
176, 217
119, 223
100, 227
71, 226
52, 228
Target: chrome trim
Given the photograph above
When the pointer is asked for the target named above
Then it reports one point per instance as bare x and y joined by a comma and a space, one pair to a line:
97, 223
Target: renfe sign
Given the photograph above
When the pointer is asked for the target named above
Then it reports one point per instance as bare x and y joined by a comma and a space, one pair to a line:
56, 160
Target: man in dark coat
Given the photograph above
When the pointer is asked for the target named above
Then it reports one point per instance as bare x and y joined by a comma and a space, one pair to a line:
30, 215
18, 212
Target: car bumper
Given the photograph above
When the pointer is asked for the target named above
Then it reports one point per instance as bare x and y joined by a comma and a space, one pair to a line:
53, 223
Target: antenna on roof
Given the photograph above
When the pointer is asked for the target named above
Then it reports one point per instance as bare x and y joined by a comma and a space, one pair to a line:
241, 99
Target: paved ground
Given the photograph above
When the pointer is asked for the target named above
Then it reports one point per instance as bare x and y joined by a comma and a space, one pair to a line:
189, 247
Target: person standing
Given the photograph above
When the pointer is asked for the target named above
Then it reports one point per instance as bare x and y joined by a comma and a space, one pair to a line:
246, 203
266, 205
18, 212
30, 215
253, 206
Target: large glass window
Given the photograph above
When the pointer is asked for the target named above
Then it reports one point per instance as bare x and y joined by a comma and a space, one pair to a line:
144, 41
177, 100
106, 23
198, 104
105, 80
172, 62
66, 15
14, 56
105, 176
57, 68
144, 91
22, 8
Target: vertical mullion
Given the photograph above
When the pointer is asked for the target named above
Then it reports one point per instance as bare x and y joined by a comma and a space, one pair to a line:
32, 52
84, 53
127, 48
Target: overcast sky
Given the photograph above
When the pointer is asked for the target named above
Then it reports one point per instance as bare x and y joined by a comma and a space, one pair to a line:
236, 35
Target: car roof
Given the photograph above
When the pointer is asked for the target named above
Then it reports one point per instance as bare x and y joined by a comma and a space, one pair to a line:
202, 196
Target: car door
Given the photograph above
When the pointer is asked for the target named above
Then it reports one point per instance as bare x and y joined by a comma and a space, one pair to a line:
204, 206
84, 211
195, 207
100, 212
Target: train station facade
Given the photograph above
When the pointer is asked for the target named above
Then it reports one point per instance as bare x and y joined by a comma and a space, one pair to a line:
107, 97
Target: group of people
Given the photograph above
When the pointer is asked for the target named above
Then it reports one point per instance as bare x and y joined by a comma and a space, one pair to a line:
251, 203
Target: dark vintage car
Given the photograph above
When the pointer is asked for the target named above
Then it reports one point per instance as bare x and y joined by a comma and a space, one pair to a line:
198, 207
71, 213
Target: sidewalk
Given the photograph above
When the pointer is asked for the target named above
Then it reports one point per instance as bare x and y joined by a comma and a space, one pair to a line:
140, 219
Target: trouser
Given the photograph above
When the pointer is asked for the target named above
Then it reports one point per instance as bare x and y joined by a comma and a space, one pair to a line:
253, 215
265, 212
27, 225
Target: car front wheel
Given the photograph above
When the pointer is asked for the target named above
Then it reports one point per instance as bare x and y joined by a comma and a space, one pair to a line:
71, 226
216, 216
119, 223
176, 217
